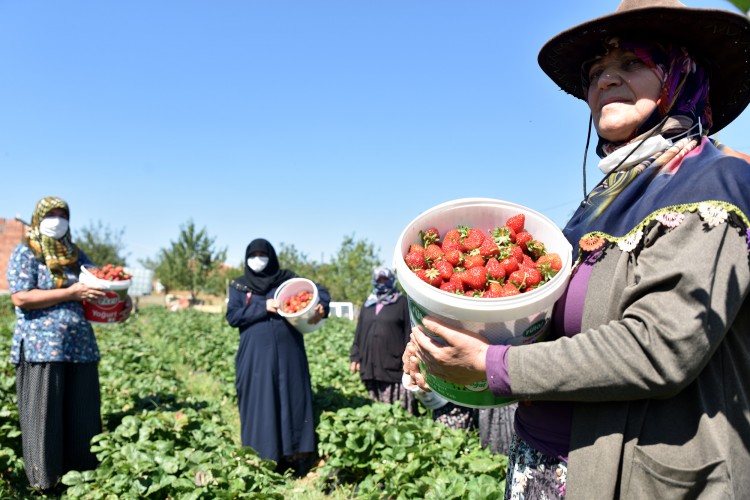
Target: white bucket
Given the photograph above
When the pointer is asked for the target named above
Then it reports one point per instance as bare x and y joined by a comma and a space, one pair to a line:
301, 319
108, 308
430, 400
515, 320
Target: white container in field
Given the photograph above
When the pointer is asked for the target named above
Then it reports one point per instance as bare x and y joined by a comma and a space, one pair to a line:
301, 319
108, 308
515, 320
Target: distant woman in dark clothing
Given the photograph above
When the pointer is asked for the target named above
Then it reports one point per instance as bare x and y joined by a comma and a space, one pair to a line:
272, 375
383, 330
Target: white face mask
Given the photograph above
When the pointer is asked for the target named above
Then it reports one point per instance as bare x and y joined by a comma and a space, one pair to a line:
54, 227
257, 264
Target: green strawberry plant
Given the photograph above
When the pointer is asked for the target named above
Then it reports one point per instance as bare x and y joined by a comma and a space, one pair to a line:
164, 438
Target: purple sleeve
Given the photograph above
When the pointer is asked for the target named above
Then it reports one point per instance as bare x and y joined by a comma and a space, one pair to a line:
497, 370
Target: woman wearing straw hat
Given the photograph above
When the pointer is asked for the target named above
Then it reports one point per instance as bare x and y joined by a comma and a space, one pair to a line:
54, 349
645, 393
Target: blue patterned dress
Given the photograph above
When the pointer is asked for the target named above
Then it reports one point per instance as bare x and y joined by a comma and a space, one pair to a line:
57, 333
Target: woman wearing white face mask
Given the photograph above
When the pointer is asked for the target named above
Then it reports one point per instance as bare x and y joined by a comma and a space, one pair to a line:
272, 375
54, 349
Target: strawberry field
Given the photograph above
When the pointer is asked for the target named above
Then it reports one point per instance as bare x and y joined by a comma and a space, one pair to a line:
171, 427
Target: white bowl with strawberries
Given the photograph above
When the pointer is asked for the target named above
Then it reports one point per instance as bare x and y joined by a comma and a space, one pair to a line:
485, 265
297, 298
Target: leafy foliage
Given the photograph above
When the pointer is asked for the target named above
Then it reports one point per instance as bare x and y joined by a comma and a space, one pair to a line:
12, 475
743, 5
102, 244
388, 454
291, 258
350, 275
190, 260
164, 438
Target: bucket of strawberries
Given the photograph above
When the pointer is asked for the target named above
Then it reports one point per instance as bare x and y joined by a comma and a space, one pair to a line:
114, 281
297, 298
484, 265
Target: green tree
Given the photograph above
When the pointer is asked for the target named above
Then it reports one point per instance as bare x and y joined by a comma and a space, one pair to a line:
349, 275
190, 261
219, 280
102, 244
294, 260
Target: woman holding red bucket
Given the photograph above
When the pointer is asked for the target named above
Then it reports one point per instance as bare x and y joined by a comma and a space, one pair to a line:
272, 374
645, 391
54, 348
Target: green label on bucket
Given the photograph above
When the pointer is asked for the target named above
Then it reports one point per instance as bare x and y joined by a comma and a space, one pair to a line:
416, 312
534, 328
476, 395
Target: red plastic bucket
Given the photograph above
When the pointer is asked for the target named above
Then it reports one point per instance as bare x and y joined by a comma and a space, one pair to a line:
108, 308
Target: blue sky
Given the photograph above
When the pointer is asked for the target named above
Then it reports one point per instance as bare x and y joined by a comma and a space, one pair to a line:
298, 121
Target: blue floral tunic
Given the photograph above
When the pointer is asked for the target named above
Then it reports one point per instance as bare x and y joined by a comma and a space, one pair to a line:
57, 333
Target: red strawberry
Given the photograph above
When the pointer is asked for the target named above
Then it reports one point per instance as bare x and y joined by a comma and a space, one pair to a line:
522, 238
450, 245
516, 252
495, 270
549, 265
533, 277
455, 257
450, 287
428, 236
516, 222
458, 280
519, 278
433, 252
471, 238
444, 268
430, 276
509, 289
476, 278
536, 248
552, 259
473, 260
527, 262
510, 264
494, 290
489, 248
415, 247
451, 237
503, 236
415, 260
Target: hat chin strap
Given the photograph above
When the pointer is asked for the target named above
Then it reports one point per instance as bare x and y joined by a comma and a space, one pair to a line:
625, 157
617, 159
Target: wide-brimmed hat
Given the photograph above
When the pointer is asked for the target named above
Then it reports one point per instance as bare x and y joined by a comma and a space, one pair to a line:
720, 39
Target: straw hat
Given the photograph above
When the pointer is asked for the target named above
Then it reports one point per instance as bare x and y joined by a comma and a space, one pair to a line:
718, 38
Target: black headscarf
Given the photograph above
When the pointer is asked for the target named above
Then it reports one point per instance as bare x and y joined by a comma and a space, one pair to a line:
269, 278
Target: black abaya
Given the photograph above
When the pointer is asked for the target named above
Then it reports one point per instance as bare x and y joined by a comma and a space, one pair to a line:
272, 378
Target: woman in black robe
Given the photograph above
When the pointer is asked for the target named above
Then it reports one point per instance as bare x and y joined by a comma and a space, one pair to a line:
383, 330
272, 374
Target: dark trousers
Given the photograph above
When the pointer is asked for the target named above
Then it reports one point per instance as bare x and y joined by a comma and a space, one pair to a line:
59, 409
